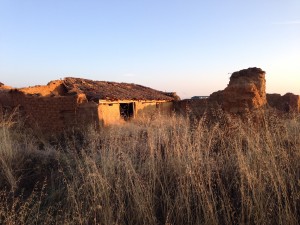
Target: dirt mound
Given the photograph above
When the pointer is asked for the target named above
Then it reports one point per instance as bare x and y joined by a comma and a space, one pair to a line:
245, 91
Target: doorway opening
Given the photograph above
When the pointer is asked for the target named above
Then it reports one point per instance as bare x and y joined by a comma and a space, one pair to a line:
127, 110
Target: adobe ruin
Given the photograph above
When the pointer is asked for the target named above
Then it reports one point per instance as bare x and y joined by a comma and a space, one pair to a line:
246, 91
74, 102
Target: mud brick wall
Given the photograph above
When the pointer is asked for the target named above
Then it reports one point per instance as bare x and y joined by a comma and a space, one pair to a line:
188, 107
1, 112
48, 114
165, 108
286, 103
87, 115
109, 114
150, 109
146, 109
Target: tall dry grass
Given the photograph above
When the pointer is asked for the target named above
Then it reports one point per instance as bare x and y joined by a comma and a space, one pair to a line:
154, 171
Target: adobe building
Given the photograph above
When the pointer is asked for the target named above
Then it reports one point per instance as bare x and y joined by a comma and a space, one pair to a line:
73, 102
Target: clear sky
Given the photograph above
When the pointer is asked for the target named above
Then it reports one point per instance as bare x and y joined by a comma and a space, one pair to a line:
190, 47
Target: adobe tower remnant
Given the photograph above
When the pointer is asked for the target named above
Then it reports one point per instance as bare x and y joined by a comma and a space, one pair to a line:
245, 91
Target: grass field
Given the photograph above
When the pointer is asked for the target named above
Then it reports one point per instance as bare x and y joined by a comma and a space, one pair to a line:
154, 171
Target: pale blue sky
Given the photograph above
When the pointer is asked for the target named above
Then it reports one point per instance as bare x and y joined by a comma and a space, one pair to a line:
171, 45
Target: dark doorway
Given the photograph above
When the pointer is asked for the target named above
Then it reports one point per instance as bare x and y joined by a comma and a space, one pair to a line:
126, 110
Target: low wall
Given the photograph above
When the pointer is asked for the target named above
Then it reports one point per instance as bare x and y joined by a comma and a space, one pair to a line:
50, 114
286, 103
47, 113
191, 107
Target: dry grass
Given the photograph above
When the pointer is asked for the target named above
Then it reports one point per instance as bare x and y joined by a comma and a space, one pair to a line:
159, 171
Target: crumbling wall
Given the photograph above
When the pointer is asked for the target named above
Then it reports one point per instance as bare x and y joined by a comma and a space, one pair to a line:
165, 108
191, 107
245, 91
62, 104
87, 114
286, 103
47, 113
53, 88
50, 114
1, 112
